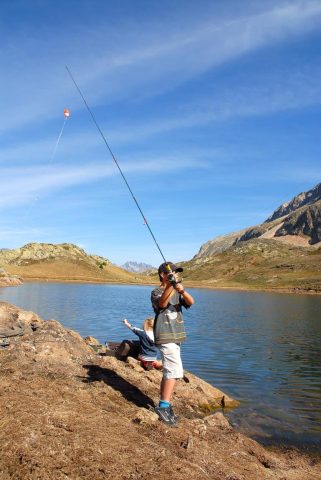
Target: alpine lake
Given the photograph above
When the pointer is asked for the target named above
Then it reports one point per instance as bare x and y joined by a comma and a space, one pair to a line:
263, 349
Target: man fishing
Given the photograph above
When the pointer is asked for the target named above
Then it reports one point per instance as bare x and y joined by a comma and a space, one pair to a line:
169, 332
167, 301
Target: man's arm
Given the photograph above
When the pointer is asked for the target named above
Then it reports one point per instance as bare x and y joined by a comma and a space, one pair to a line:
168, 292
188, 299
166, 295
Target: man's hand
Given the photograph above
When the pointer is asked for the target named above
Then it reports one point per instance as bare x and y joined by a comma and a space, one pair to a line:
179, 288
189, 300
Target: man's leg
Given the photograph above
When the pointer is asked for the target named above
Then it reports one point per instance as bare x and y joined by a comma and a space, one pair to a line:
167, 388
164, 409
172, 369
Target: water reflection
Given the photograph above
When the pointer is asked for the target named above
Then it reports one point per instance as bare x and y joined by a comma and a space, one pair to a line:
262, 348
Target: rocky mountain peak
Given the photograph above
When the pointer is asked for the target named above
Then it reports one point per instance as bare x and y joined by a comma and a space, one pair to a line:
297, 222
303, 198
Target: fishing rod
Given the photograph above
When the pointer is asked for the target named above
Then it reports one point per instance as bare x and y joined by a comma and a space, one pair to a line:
115, 160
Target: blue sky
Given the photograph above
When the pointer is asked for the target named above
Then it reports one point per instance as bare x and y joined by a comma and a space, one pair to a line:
212, 109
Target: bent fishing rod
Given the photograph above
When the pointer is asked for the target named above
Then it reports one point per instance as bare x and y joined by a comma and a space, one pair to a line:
117, 164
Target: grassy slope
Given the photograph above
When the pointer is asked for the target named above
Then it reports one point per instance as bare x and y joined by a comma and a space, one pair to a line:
259, 264
68, 270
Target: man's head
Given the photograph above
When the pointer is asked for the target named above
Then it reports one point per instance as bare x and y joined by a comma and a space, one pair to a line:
166, 268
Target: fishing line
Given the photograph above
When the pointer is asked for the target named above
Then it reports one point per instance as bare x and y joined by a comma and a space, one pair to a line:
114, 158
66, 116
35, 199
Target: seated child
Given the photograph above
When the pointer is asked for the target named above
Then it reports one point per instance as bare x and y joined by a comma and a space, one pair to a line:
148, 350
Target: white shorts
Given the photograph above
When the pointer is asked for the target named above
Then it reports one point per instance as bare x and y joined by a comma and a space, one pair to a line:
172, 362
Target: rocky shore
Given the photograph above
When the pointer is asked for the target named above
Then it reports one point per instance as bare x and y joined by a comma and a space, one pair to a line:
7, 280
68, 412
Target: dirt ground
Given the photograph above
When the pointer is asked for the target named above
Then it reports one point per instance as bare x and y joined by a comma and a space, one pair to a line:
70, 413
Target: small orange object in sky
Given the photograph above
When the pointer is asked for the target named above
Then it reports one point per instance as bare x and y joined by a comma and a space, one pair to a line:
66, 113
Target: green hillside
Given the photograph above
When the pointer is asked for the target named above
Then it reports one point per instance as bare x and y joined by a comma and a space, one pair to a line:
259, 264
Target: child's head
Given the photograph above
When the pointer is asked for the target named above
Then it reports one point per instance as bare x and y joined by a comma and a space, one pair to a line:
148, 324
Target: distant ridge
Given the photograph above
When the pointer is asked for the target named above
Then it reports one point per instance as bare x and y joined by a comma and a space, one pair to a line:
136, 267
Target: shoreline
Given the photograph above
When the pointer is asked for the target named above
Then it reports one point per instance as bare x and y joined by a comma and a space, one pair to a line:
283, 290
311, 450
50, 372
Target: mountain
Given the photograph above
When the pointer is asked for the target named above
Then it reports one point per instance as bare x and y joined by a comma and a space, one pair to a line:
306, 221
137, 267
219, 244
284, 252
304, 198
64, 261
33, 252
297, 222
258, 264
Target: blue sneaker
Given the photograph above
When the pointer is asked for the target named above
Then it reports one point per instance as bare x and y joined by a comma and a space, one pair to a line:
176, 417
166, 415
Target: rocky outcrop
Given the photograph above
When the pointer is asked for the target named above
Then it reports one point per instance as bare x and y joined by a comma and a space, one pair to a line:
304, 198
218, 244
304, 221
253, 232
67, 412
7, 280
61, 347
35, 252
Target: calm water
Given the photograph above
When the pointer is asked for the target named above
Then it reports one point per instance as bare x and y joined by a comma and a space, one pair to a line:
263, 349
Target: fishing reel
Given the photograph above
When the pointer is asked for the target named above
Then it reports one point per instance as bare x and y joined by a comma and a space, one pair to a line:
172, 280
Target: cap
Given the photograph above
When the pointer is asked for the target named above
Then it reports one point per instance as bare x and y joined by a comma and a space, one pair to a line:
163, 268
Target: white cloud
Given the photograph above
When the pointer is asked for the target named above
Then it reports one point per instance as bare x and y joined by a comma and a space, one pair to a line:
36, 83
171, 58
21, 184
284, 92
9, 233
288, 92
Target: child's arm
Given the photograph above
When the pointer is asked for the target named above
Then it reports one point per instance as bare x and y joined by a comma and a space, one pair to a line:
137, 331
128, 325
